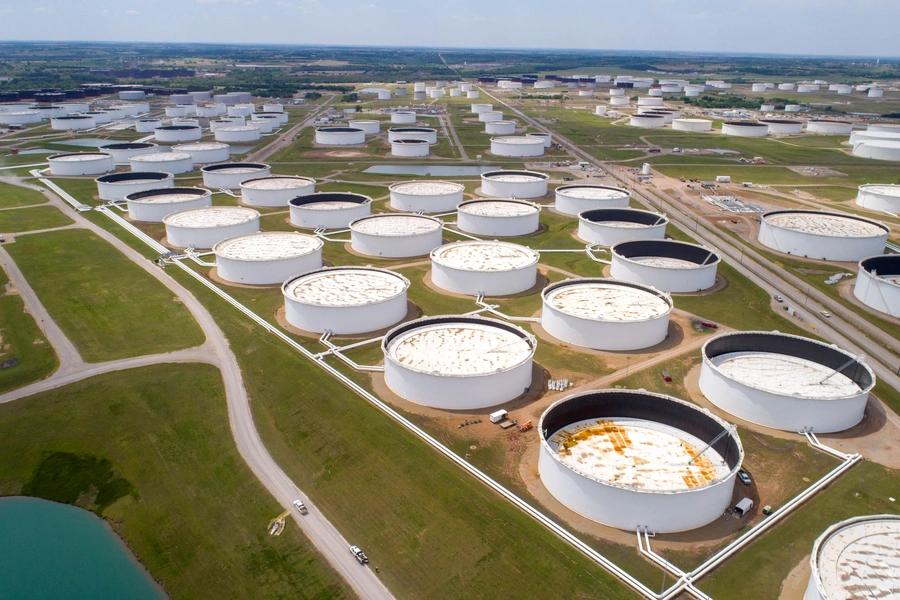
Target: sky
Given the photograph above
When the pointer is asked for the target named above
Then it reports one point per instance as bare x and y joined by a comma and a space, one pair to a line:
807, 27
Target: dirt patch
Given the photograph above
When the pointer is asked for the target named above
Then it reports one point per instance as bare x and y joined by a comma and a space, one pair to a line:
794, 585
336, 154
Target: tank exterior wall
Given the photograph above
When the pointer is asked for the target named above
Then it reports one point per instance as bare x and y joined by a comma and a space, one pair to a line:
68, 124
231, 181
147, 126
251, 134
604, 335
403, 118
829, 128
514, 189
429, 204
489, 226
155, 213
205, 155
743, 131
191, 134
368, 127
82, 167
500, 127
274, 198
491, 283
340, 138
207, 237
269, 272
329, 219
395, 246
501, 148
185, 165
410, 150
428, 136
819, 247
662, 278
117, 191
877, 293
346, 320
575, 206
605, 235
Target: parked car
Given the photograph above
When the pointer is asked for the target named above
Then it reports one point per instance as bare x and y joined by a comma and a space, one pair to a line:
301, 507
744, 477
359, 554
778, 298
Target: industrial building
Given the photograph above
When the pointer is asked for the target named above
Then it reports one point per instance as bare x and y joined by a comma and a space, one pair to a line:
230, 176
856, 558
116, 186
81, 163
275, 190
517, 146
667, 265
331, 210
514, 184
611, 226
576, 198
155, 204
168, 162
345, 300
822, 235
605, 314
206, 227
492, 268
785, 381
267, 257
426, 196
458, 362
632, 459
495, 217
391, 235
878, 283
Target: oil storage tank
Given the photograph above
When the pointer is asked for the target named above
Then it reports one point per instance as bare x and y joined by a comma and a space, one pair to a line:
155, 204
267, 257
829, 127
610, 226
116, 186
72, 123
576, 198
175, 134
169, 162
81, 163
426, 196
275, 190
822, 235
229, 176
204, 152
878, 283
632, 459
492, 268
605, 314
122, 152
458, 362
785, 381
667, 265
745, 129
391, 235
514, 184
517, 146
206, 227
239, 133
498, 217
345, 300
883, 197
413, 133
331, 210
340, 136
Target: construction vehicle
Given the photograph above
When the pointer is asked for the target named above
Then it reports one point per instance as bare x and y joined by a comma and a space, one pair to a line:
526, 426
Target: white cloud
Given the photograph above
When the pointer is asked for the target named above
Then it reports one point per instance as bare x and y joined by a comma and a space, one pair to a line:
132, 12
369, 7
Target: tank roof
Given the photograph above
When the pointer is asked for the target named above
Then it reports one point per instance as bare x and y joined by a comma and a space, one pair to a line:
396, 225
826, 224
882, 189
515, 176
859, 558
345, 287
601, 300
200, 146
278, 182
518, 140
160, 157
484, 256
79, 156
498, 208
210, 217
268, 245
592, 192
428, 188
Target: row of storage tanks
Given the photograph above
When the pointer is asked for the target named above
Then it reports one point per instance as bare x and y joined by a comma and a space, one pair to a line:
71, 116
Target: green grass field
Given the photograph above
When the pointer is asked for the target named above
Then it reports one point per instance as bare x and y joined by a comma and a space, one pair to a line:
23, 341
32, 218
107, 306
151, 451
14, 195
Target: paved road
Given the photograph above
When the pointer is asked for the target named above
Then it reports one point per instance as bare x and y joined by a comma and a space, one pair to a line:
287, 138
324, 536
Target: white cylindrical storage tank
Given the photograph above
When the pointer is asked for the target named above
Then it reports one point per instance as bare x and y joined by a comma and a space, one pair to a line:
883, 197
626, 458
177, 133
517, 146
226, 122
466, 87
645, 120
785, 381
265, 125
370, 127
72, 123
426, 196
240, 110
616, 92
211, 110
391, 235
204, 152
884, 127
420, 96
345, 300
784, 87
226, 99
167, 162
181, 99
875, 93
654, 93
473, 94
273, 108
116, 186
498, 217
331, 210
122, 152
239, 133
585, 93
81, 163
619, 101
452, 362
200, 96
157, 203
493, 268
805, 88
791, 108
758, 87
275, 190
857, 137
183, 110
206, 227
482, 108
548, 138
384, 94
667, 115
229, 176
456, 93
822, 235
413, 133
670, 89
267, 257
829, 127
649, 101
878, 283
576, 198
137, 108
844, 89
605, 314
403, 118
410, 148
147, 125
491, 115
745, 129
611, 226
191, 122
340, 136
600, 110
132, 95
878, 150
436, 93
20, 117
48, 112
244, 97
766, 108
667, 265
783, 126
856, 558
692, 124
514, 184
500, 127
419, 86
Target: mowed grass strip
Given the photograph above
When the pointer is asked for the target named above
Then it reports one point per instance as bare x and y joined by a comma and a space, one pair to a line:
22, 341
433, 531
14, 195
108, 306
158, 442
32, 218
